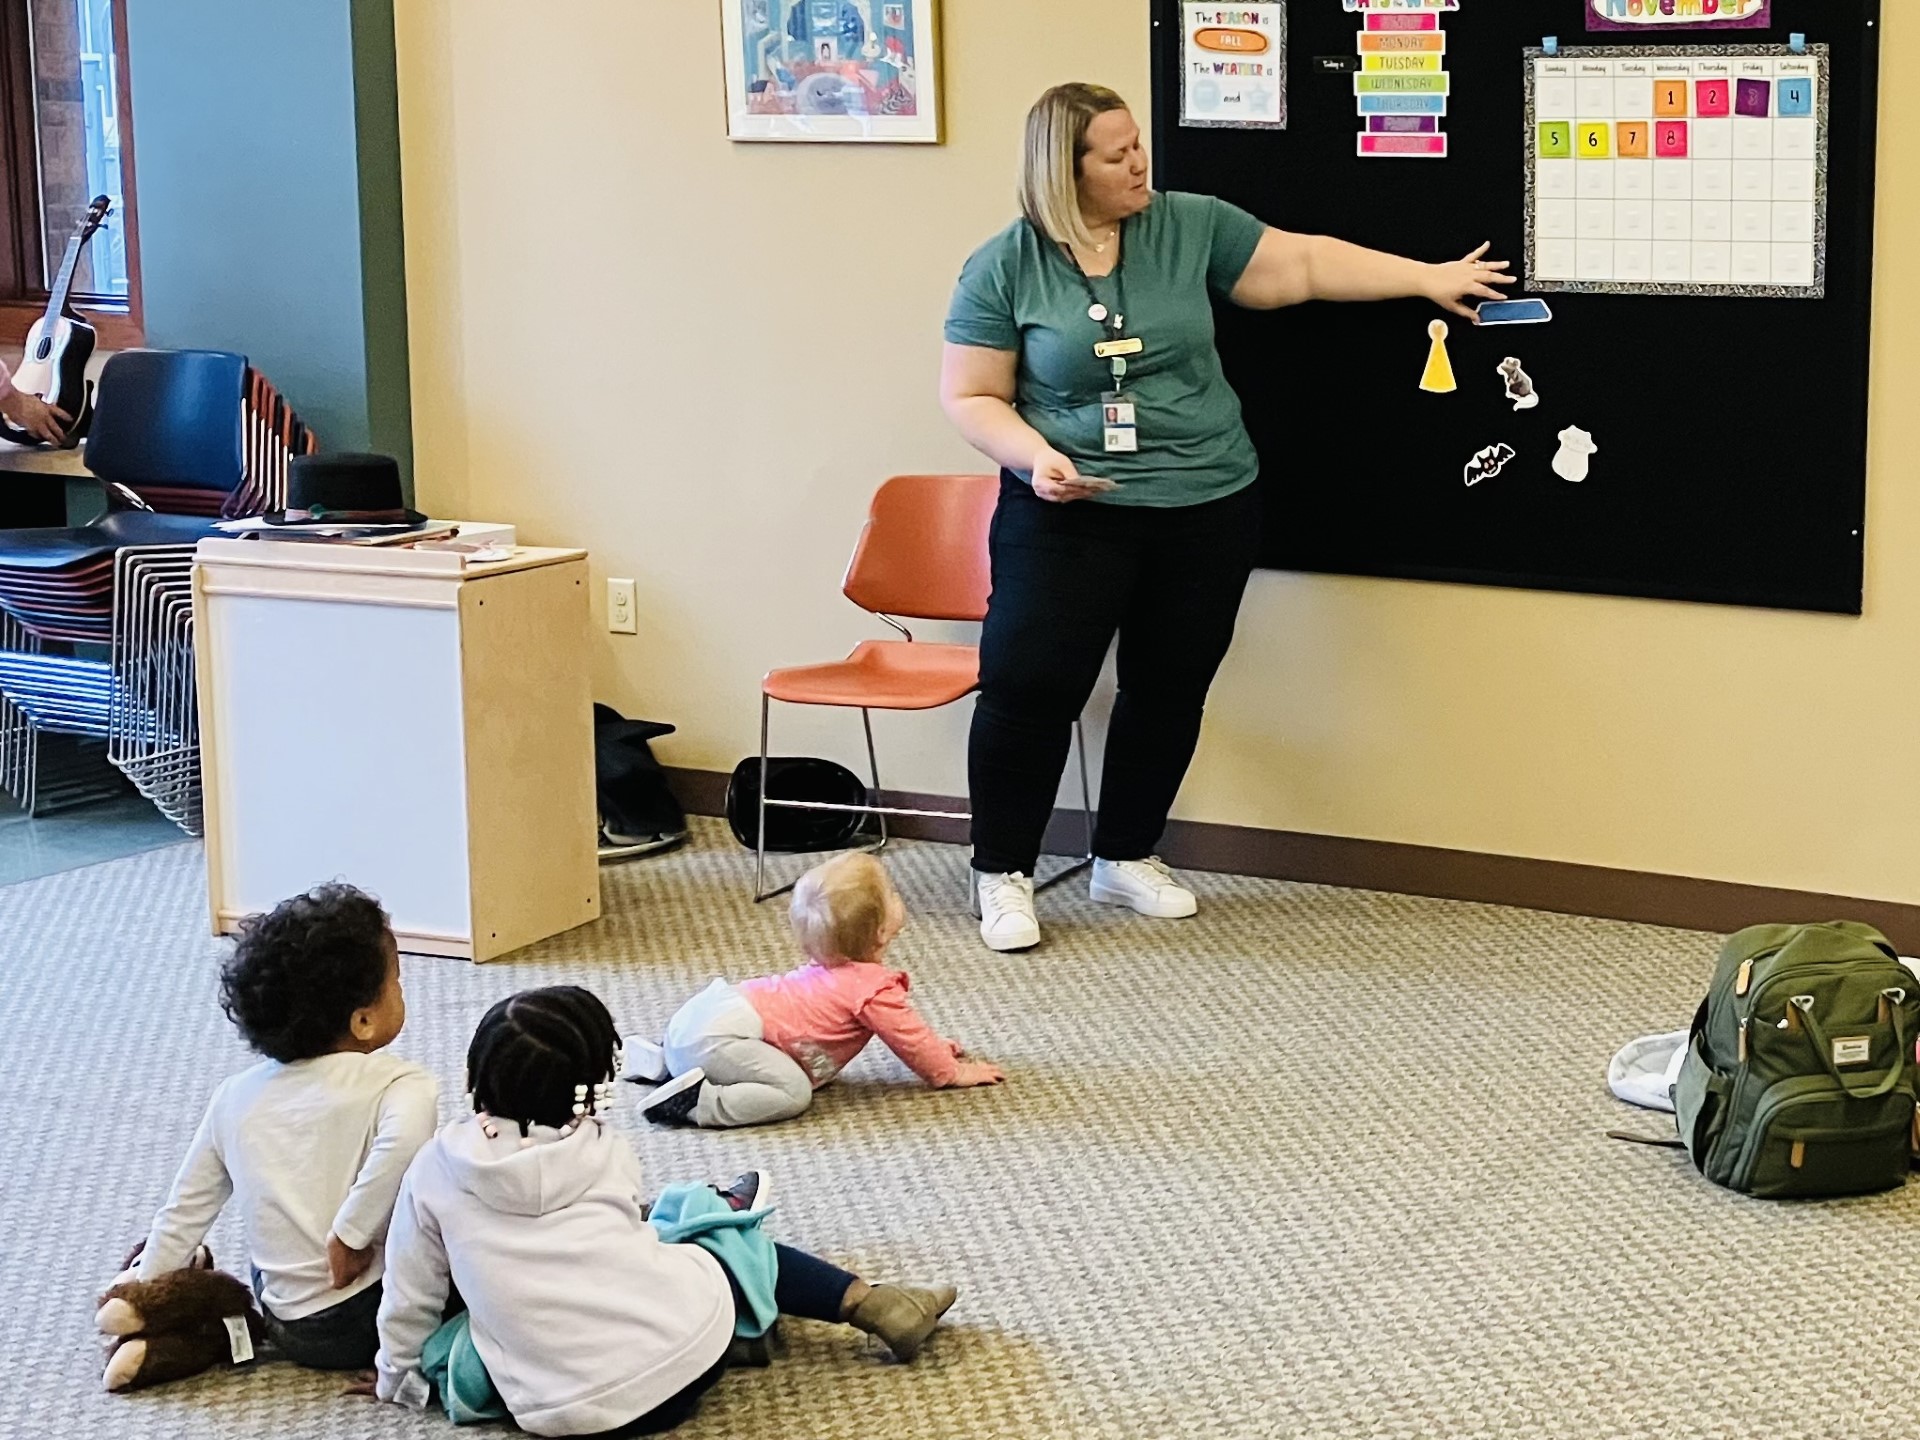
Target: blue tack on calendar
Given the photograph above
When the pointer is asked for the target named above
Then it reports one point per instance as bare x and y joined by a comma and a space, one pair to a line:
1677, 170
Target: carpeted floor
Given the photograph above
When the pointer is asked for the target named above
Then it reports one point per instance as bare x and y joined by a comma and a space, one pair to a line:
1318, 1163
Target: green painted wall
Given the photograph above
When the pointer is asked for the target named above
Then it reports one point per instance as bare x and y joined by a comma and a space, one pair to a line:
266, 139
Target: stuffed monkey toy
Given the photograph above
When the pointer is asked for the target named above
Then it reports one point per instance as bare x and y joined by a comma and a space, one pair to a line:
176, 1325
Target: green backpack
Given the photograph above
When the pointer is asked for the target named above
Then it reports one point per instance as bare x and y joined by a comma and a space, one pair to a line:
1799, 1078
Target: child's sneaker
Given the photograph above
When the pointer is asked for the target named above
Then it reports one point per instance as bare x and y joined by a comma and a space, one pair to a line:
673, 1102
751, 1191
646, 1062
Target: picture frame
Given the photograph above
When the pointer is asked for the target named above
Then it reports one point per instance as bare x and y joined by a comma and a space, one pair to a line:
833, 71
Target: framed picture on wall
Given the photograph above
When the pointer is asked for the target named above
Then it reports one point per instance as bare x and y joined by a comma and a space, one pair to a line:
859, 71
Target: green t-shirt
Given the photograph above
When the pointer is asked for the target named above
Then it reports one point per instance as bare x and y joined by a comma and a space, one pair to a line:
1020, 293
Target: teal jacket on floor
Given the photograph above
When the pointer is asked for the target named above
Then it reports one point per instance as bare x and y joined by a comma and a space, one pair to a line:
699, 1215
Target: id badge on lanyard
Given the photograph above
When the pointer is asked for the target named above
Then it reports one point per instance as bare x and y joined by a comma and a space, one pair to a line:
1122, 423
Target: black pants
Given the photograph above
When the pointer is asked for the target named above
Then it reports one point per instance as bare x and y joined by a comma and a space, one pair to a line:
1066, 578
341, 1337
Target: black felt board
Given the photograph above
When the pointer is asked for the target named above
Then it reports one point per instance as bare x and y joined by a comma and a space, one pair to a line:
1732, 432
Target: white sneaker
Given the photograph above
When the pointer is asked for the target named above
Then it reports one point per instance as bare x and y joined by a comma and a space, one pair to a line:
1005, 906
1145, 886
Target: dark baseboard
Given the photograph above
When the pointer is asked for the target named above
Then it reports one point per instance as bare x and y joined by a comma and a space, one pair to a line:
1676, 900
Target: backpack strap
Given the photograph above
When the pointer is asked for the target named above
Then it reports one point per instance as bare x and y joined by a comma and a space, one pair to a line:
1663, 1142
1902, 1049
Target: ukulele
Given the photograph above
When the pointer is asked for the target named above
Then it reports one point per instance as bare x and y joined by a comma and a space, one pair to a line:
60, 344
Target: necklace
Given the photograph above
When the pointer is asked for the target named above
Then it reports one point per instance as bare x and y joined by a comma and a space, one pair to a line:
1100, 246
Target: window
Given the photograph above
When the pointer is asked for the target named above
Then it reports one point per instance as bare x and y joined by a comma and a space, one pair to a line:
65, 138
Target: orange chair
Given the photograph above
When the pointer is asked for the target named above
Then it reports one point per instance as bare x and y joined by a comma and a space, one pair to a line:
921, 556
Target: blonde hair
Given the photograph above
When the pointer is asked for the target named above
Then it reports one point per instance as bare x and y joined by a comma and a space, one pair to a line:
840, 908
1050, 166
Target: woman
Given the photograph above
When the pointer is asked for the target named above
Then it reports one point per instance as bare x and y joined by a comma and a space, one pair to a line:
1080, 358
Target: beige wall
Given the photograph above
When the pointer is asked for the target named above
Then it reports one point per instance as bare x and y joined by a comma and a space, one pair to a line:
698, 358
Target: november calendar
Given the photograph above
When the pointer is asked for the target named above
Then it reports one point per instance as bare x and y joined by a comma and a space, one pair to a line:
1678, 170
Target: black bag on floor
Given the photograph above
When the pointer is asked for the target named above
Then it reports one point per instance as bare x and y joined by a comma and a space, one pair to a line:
795, 777
638, 814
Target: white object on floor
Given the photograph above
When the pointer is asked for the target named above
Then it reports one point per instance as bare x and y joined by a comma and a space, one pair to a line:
645, 1061
1005, 903
1146, 887
1644, 1071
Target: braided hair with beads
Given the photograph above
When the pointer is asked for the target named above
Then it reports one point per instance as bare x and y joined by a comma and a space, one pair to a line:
543, 1057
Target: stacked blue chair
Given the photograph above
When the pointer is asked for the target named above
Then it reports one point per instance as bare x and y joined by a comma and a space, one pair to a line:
96, 620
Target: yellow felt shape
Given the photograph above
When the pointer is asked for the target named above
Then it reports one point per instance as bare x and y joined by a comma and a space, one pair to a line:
1439, 377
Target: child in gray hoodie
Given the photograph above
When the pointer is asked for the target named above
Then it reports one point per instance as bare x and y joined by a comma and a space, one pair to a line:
586, 1320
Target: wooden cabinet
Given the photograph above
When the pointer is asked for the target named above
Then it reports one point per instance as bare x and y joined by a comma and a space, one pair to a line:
416, 725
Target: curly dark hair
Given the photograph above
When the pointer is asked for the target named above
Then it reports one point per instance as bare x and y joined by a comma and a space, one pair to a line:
532, 1051
300, 971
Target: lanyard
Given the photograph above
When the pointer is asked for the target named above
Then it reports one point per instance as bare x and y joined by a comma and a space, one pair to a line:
1114, 320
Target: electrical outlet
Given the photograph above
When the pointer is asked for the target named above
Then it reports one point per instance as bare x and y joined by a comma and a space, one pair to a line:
621, 619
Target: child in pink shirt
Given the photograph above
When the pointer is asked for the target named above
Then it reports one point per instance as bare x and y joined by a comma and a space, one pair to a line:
753, 1053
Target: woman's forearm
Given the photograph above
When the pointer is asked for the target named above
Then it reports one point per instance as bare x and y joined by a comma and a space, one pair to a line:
995, 429
1337, 270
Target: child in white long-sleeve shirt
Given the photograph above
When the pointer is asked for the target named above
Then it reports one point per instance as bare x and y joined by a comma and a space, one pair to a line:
312, 1143
754, 1052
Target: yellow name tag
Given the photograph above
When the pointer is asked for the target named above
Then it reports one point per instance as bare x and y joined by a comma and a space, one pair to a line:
1108, 349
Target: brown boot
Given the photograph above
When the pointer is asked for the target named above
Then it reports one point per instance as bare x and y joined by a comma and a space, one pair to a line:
903, 1316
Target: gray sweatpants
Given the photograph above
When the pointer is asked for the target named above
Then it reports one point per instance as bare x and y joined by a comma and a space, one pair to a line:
749, 1082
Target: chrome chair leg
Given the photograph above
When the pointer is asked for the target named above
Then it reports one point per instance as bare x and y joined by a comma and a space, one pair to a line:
760, 824
873, 768
1086, 815
872, 807
881, 812
1086, 790
19, 737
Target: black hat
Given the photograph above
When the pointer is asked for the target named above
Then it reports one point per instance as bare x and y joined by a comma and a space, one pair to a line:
345, 490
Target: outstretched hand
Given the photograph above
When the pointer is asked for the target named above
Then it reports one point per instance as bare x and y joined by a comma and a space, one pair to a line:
1451, 284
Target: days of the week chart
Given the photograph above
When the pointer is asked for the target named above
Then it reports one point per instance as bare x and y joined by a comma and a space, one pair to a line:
1669, 170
